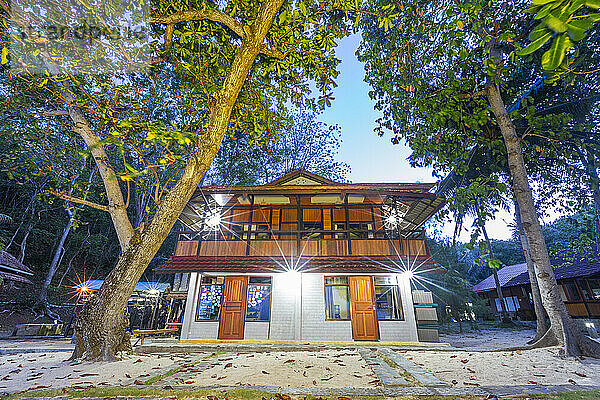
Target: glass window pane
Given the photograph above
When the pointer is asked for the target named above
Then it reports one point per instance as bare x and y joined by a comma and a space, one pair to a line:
584, 289
387, 302
595, 286
260, 279
209, 302
212, 280
259, 302
336, 280
571, 291
384, 280
337, 304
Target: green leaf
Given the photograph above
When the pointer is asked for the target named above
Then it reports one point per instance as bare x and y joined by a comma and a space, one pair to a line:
4, 58
594, 17
555, 24
536, 44
552, 58
593, 3
539, 31
544, 11
542, 2
578, 29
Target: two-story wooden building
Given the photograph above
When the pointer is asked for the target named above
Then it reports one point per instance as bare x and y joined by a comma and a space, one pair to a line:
303, 258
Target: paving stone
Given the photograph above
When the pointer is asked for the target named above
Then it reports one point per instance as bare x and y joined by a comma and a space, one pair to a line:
386, 374
409, 390
310, 391
356, 391
461, 391
424, 377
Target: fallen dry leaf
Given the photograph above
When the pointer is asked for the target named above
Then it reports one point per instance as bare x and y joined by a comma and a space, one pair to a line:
138, 382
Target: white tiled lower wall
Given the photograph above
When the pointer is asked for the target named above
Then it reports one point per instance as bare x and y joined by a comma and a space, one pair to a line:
314, 325
298, 313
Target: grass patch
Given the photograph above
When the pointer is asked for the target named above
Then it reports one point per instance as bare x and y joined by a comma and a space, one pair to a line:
411, 380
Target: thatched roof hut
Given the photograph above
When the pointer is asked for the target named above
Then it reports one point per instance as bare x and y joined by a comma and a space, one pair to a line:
11, 269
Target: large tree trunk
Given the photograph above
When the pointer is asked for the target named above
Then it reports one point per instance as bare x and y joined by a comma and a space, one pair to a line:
562, 328
540, 313
100, 326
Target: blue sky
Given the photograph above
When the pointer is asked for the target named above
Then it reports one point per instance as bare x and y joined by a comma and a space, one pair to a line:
373, 158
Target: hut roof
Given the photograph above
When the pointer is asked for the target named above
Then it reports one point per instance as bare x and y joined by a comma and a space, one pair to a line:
11, 263
516, 275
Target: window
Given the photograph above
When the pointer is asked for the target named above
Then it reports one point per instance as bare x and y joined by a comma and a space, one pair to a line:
361, 231
340, 227
209, 300
511, 303
387, 298
337, 298
594, 288
312, 226
571, 291
258, 306
357, 230
262, 231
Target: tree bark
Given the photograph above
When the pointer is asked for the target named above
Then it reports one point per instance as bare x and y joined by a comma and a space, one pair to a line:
562, 326
100, 326
540, 313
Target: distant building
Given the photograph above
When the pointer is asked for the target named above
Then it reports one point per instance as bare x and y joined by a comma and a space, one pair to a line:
13, 271
579, 285
304, 258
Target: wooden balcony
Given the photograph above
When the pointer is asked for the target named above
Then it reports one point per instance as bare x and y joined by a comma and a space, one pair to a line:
295, 247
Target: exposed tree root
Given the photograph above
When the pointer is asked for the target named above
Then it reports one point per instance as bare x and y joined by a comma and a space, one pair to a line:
549, 339
538, 335
588, 346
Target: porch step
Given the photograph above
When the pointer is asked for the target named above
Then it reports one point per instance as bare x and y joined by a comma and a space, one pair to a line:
386, 374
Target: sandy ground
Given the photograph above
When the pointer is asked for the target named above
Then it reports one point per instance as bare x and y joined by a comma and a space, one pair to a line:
489, 339
533, 367
53, 370
330, 368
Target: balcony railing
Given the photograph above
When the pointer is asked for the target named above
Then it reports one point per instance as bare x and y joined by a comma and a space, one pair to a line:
307, 242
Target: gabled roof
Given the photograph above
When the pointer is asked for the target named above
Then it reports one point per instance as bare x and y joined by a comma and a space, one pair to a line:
516, 275
505, 275
11, 263
300, 174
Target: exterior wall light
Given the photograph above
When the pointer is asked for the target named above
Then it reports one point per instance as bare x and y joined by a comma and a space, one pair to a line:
212, 219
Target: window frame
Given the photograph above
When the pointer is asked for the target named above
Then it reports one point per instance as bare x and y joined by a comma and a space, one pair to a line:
397, 288
270, 284
347, 285
200, 285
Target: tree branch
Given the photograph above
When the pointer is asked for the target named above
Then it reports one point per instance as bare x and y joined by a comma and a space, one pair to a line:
272, 52
212, 15
206, 13
77, 200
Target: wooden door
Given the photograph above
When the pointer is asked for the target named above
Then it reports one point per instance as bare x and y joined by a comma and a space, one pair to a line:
362, 308
233, 310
